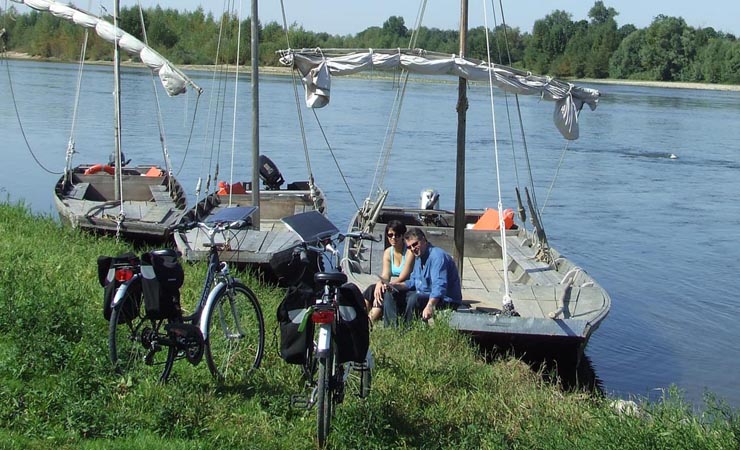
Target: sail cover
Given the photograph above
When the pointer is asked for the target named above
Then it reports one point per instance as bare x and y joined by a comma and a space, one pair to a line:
174, 81
317, 66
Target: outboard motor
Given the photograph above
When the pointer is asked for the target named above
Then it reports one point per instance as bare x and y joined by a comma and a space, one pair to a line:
429, 199
112, 160
270, 174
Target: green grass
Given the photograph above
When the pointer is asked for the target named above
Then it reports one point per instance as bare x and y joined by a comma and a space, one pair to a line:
431, 389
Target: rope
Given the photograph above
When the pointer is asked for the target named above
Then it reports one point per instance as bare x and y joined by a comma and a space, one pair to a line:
557, 172
296, 96
507, 301
394, 116
71, 142
331, 151
20, 123
160, 121
236, 101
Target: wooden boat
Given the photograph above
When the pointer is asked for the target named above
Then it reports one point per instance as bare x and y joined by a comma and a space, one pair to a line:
263, 243
153, 202
267, 247
516, 288
137, 203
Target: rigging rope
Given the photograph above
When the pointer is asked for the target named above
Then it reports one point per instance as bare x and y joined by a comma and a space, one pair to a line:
20, 123
160, 121
236, 100
507, 301
71, 142
3, 58
394, 116
315, 196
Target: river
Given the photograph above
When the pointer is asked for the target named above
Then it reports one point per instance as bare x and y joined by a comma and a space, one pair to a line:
659, 233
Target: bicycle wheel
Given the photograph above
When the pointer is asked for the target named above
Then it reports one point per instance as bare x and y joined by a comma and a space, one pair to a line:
325, 399
236, 334
131, 341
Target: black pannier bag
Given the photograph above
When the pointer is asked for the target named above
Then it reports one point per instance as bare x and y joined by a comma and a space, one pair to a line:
107, 277
162, 277
290, 313
353, 328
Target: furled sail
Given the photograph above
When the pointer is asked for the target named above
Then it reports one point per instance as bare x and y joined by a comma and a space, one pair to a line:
317, 66
174, 81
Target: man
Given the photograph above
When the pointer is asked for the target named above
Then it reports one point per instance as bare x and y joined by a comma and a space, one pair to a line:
434, 282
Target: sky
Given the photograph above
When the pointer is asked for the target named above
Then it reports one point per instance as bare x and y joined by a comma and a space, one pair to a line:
352, 16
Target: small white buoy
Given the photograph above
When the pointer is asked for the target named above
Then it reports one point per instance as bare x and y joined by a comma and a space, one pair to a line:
673, 156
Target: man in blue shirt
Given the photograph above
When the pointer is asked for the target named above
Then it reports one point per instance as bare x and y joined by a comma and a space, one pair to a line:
434, 282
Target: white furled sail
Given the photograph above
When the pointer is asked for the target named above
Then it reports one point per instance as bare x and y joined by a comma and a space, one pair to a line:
174, 81
316, 68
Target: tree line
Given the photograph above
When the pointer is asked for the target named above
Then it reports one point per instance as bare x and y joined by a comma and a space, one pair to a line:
667, 50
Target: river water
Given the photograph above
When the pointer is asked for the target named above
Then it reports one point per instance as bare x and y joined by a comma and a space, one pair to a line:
659, 233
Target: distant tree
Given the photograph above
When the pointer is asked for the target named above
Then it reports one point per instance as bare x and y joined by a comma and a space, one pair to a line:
549, 39
626, 61
396, 27
666, 48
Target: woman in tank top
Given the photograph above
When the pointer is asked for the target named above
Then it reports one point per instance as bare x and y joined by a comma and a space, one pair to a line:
398, 262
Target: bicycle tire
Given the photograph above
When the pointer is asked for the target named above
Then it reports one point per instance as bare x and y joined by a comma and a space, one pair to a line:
231, 355
125, 344
324, 398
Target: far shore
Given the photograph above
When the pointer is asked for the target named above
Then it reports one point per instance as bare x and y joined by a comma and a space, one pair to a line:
286, 71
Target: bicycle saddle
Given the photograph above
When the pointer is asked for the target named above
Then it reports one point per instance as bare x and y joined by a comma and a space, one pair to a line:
330, 278
166, 252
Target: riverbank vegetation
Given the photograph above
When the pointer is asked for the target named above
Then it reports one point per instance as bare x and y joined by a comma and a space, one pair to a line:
431, 389
667, 50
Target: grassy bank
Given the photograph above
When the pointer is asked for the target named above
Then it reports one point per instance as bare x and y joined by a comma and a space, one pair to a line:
431, 390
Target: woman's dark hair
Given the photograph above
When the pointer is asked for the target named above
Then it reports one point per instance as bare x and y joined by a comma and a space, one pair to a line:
397, 227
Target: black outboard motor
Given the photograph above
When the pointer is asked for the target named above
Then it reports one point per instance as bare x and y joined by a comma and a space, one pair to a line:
112, 160
270, 174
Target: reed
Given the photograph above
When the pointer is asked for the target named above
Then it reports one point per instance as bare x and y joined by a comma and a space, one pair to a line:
431, 389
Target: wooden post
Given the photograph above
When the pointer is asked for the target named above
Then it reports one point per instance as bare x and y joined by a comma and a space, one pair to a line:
255, 116
462, 110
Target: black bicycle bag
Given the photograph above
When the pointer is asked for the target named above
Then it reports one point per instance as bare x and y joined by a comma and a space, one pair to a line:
290, 313
353, 328
107, 266
162, 277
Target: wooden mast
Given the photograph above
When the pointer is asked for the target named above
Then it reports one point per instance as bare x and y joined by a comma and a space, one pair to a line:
255, 116
462, 110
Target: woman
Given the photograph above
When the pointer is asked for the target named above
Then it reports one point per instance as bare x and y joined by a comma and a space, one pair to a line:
398, 262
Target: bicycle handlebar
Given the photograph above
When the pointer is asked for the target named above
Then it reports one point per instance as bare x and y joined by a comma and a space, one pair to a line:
216, 226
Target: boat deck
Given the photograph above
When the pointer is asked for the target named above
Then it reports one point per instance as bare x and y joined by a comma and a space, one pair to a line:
547, 304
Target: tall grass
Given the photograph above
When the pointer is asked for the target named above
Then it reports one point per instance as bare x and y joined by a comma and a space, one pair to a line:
431, 389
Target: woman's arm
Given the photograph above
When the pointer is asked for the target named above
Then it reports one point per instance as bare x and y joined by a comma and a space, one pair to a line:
385, 275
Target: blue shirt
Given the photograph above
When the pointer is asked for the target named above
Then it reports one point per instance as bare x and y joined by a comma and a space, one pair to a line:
435, 274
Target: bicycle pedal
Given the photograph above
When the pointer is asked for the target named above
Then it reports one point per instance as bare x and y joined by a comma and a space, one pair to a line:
299, 401
149, 358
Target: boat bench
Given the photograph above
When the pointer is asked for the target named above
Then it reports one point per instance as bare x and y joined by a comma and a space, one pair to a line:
525, 268
160, 194
77, 192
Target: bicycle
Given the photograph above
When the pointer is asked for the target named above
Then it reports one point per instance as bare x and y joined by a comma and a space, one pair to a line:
330, 360
226, 325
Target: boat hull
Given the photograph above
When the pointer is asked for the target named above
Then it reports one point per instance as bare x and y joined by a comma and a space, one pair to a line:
151, 203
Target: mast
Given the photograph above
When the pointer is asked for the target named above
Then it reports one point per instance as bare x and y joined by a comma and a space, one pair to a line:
462, 110
255, 116
117, 107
